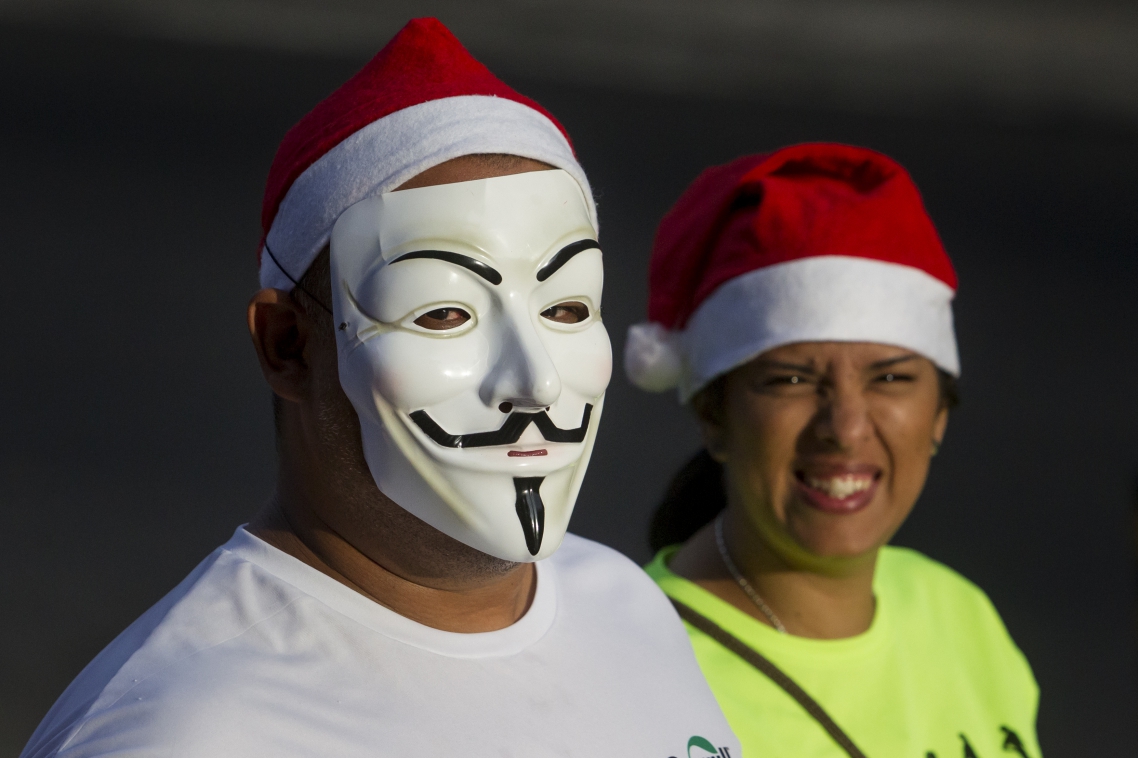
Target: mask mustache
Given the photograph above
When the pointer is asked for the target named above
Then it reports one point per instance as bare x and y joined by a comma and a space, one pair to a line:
509, 433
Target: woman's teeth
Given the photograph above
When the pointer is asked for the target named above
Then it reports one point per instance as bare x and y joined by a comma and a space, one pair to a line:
841, 487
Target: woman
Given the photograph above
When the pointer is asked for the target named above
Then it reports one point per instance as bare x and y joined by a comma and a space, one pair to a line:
801, 303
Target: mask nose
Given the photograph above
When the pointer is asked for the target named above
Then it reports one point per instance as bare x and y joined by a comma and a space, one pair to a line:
524, 375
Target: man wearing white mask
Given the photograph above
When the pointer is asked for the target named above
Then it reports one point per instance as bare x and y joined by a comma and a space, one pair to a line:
430, 324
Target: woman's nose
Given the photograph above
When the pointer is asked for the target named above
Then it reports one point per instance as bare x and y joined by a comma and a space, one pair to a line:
524, 374
843, 420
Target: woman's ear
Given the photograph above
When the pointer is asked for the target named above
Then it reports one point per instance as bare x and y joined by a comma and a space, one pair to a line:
708, 408
940, 425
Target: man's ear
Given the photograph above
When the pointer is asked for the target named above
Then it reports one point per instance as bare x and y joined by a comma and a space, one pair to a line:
280, 332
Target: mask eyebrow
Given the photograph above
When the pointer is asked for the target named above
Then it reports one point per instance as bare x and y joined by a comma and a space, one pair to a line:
458, 259
563, 255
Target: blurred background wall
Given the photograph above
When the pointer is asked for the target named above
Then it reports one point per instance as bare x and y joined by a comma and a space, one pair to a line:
135, 135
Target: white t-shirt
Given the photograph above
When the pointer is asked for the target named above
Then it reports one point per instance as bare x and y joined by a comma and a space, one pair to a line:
257, 654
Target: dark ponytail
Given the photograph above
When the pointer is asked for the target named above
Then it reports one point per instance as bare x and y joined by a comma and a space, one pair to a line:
694, 497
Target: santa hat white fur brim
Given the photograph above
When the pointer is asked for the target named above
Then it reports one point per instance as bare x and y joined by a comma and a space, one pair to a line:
388, 152
823, 298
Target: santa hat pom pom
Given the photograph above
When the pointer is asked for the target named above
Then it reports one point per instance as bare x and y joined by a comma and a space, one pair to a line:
652, 359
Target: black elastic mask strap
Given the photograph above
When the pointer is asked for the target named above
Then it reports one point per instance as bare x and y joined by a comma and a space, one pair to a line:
295, 283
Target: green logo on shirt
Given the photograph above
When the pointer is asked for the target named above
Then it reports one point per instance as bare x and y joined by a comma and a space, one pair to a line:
704, 744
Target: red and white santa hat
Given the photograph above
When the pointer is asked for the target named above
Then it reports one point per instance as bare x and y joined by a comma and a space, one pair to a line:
421, 101
816, 242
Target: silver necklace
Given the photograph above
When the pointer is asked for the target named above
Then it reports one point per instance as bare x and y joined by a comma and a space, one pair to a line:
742, 580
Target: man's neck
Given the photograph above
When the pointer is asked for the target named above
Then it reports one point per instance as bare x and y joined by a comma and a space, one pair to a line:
391, 568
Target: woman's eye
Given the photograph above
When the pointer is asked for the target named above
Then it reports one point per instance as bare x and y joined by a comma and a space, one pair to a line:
790, 379
567, 313
442, 319
892, 378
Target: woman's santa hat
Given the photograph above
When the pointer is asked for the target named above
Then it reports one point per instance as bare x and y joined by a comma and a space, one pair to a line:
816, 242
421, 101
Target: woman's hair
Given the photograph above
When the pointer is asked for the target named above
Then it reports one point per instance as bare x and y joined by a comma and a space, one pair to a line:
697, 494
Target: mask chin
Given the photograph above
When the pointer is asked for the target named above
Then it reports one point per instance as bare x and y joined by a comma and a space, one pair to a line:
513, 516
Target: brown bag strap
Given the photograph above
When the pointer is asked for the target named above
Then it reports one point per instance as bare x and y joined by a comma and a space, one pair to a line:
773, 672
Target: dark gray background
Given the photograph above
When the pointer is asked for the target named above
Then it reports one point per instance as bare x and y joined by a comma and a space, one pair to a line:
136, 429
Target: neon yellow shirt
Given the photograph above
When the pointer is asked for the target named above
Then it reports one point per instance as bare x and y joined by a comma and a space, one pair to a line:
936, 674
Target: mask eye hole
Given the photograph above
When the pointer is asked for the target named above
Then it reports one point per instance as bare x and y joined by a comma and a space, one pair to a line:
571, 312
442, 319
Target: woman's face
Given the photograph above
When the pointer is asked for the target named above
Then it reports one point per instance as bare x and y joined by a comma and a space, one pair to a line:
826, 445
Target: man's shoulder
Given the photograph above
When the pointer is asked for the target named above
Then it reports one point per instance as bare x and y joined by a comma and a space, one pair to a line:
206, 705
577, 549
172, 654
618, 632
602, 582
588, 564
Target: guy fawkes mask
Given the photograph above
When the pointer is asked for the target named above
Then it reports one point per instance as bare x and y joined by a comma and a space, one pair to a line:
471, 345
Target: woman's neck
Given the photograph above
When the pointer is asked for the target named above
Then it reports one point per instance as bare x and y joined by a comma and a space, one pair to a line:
829, 605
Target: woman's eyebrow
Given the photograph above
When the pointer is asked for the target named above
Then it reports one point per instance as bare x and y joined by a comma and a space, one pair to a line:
473, 264
893, 361
800, 368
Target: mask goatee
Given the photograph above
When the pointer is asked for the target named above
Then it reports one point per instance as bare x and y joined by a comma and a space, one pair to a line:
531, 511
